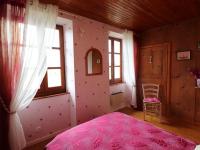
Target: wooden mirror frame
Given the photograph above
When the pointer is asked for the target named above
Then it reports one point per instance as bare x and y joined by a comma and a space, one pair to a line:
86, 62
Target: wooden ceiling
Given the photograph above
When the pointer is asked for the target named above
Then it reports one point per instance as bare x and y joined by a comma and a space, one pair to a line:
137, 15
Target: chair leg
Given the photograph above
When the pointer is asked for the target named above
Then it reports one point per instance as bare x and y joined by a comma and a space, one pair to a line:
144, 111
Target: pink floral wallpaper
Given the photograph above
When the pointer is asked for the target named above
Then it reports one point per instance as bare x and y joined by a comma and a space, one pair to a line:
92, 92
45, 116
90, 95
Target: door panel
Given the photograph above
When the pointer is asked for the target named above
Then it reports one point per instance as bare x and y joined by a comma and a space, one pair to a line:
153, 68
145, 62
157, 61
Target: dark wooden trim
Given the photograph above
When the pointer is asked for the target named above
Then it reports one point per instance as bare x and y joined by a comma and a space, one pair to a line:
168, 75
86, 62
169, 63
113, 80
19, 3
53, 2
116, 93
62, 56
44, 90
60, 94
56, 48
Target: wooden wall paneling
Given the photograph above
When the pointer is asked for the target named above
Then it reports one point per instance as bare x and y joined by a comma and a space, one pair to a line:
197, 106
136, 15
144, 62
182, 36
197, 91
168, 78
155, 71
182, 88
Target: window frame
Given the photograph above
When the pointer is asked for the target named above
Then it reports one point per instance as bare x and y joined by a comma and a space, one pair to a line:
49, 91
113, 80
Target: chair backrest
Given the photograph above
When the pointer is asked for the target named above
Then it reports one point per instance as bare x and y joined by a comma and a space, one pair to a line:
150, 90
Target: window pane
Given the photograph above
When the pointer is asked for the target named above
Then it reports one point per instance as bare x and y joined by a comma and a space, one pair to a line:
116, 46
56, 40
109, 59
117, 73
54, 77
53, 59
109, 45
110, 73
21, 28
31, 31
117, 59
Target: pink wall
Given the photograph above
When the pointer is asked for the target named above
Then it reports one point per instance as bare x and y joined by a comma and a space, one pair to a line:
92, 92
89, 94
45, 116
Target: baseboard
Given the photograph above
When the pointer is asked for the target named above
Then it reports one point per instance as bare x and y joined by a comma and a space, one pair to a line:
39, 140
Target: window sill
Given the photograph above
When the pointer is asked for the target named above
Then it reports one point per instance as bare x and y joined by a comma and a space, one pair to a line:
48, 96
116, 84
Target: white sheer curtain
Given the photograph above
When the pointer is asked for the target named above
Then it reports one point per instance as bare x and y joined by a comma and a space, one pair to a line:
38, 31
128, 67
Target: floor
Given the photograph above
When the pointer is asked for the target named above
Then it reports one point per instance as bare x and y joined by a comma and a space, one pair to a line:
182, 129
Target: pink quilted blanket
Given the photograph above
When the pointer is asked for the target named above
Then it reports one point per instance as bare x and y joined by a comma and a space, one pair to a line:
117, 131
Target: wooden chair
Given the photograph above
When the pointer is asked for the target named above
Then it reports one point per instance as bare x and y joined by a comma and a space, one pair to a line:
151, 102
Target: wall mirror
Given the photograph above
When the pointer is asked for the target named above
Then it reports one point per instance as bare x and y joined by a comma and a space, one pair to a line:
93, 62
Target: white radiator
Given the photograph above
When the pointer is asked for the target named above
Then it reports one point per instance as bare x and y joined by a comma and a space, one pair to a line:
117, 101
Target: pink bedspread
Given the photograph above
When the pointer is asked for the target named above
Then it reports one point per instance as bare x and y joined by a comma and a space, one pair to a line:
117, 131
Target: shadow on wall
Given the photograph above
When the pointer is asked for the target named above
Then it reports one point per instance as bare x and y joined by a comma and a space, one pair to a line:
44, 118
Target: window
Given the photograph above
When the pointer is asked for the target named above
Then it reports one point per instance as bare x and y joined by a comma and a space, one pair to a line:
54, 80
115, 60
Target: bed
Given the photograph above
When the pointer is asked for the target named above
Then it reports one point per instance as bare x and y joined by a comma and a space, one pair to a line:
118, 131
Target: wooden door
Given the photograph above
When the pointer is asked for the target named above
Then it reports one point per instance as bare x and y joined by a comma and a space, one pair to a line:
197, 91
154, 62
